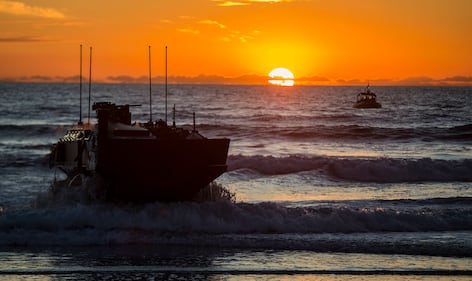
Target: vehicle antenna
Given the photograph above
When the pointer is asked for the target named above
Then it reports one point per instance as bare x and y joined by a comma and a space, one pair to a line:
166, 87
80, 87
90, 85
150, 89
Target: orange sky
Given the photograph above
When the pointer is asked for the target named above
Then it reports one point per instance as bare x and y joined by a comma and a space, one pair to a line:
321, 42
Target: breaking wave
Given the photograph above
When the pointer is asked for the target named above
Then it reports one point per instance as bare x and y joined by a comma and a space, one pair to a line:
227, 224
380, 170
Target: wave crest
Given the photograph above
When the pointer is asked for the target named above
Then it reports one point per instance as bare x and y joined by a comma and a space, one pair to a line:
381, 170
110, 224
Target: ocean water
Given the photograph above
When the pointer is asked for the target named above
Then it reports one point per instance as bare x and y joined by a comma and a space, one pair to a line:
323, 191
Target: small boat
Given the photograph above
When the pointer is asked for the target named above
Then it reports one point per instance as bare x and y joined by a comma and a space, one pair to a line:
138, 162
366, 99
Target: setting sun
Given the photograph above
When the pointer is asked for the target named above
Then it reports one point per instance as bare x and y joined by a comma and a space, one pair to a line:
281, 77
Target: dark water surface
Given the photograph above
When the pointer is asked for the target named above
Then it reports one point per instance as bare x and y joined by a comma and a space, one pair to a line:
323, 191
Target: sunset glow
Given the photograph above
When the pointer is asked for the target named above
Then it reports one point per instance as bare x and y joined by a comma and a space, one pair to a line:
215, 41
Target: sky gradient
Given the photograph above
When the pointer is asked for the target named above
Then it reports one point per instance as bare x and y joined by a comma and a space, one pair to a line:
241, 41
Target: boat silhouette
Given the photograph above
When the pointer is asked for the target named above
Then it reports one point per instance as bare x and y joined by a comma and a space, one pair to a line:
139, 162
366, 99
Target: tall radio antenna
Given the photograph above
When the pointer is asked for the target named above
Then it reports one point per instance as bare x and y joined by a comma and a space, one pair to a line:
166, 86
90, 84
150, 91
80, 87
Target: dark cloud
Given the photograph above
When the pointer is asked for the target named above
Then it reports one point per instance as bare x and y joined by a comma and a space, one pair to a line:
351, 82
43, 79
248, 79
312, 80
127, 79
467, 79
315, 78
23, 39
420, 80
200, 79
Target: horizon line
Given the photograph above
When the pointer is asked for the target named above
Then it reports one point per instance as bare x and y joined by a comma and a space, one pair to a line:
250, 79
